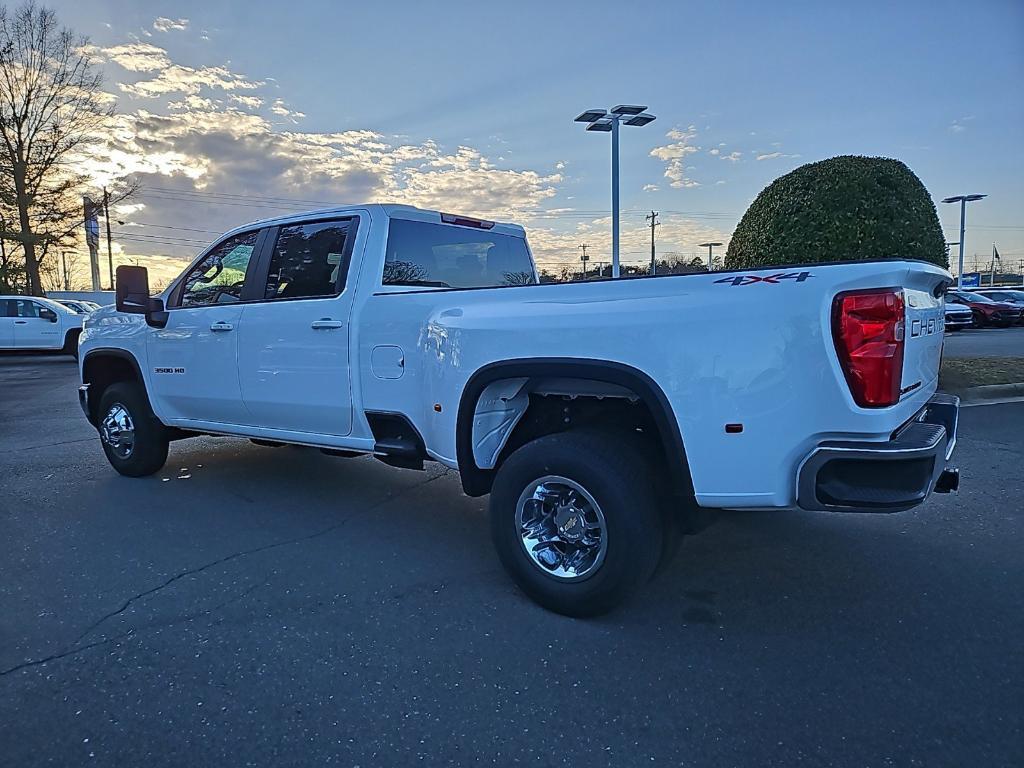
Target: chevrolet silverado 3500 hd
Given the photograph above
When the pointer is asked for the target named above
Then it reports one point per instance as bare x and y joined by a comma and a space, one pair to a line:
597, 415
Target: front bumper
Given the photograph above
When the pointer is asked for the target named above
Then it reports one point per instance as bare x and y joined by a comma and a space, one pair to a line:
959, 322
854, 476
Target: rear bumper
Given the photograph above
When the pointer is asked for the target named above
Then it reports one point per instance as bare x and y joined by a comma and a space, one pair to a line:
853, 476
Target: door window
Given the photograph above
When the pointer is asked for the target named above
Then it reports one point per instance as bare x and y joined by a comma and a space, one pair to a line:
28, 308
8, 308
219, 276
308, 261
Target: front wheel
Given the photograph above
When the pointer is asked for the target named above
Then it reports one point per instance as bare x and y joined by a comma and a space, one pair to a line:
978, 319
576, 521
133, 439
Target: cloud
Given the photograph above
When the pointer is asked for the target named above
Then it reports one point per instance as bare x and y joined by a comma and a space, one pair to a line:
674, 156
774, 156
958, 126
253, 102
732, 157
137, 57
650, 187
170, 78
714, 151
282, 111
163, 24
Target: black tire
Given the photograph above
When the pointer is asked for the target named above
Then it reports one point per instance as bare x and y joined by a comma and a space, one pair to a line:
621, 483
71, 343
148, 452
978, 319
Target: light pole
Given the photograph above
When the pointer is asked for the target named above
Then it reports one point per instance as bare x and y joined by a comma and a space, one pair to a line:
963, 200
608, 122
711, 247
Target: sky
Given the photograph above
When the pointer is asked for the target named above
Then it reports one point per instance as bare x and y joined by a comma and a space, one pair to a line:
230, 112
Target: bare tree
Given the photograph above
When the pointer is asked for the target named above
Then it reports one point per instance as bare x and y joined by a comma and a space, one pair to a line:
51, 108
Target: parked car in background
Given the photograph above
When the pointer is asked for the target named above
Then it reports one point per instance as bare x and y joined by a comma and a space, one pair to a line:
958, 316
1007, 296
78, 306
32, 323
986, 311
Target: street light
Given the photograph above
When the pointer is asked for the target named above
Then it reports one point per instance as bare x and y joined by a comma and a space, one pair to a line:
710, 247
608, 122
963, 200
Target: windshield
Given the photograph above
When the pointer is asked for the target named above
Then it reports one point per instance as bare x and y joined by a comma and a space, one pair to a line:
1014, 296
975, 297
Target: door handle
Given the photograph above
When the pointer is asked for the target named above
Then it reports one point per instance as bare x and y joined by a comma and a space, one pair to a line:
222, 326
326, 324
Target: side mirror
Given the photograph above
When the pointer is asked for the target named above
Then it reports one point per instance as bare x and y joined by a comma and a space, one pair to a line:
48, 314
133, 295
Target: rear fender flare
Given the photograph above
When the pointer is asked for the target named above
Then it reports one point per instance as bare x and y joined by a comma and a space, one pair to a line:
477, 481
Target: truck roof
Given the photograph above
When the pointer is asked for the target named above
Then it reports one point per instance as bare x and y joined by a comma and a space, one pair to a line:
391, 210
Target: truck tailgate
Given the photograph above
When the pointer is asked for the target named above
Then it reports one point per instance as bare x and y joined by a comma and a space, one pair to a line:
925, 320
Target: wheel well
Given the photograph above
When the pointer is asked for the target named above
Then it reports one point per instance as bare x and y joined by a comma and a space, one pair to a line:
551, 396
101, 369
71, 334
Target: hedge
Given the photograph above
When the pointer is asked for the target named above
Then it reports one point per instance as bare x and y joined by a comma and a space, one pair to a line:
841, 209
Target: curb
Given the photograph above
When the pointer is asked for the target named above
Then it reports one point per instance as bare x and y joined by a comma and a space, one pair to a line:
991, 392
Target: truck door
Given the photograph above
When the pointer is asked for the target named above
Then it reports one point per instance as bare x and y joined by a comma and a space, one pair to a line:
193, 360
34, 332
293, 354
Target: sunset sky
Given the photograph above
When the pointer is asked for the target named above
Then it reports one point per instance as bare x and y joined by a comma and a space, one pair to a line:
234, 111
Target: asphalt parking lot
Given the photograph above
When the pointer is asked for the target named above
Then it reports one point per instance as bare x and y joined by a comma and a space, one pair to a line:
985, 342
258, 606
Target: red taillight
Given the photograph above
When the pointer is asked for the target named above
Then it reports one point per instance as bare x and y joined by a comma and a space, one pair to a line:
868, 328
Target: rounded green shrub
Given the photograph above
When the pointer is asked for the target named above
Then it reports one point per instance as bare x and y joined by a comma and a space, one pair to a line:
845, 208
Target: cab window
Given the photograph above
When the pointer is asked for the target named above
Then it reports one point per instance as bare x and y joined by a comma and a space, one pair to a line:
219, 277
308, 260
421, 253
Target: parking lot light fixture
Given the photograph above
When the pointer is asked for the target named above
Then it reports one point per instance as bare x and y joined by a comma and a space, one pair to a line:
608, 121
963, 200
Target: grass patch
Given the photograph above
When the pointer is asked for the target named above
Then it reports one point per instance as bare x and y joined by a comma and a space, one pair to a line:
961, 373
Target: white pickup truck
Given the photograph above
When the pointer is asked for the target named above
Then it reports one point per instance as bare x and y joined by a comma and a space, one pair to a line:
599, 416
34, 324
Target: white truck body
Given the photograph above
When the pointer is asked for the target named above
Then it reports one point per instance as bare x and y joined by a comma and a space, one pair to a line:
741, 367
22, 327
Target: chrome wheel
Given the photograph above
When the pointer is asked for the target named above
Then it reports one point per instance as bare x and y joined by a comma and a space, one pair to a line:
562, 528
118, 431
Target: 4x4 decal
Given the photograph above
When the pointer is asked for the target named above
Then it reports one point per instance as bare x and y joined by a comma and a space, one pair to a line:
773, 279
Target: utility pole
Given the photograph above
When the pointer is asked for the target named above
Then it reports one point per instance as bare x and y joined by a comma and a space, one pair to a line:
110, 250
992, 273
653, 218
584, 257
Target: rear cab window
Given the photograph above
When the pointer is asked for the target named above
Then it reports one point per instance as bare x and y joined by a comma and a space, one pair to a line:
437, 255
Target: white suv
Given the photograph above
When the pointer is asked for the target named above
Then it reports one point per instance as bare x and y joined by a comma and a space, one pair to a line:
32, 323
